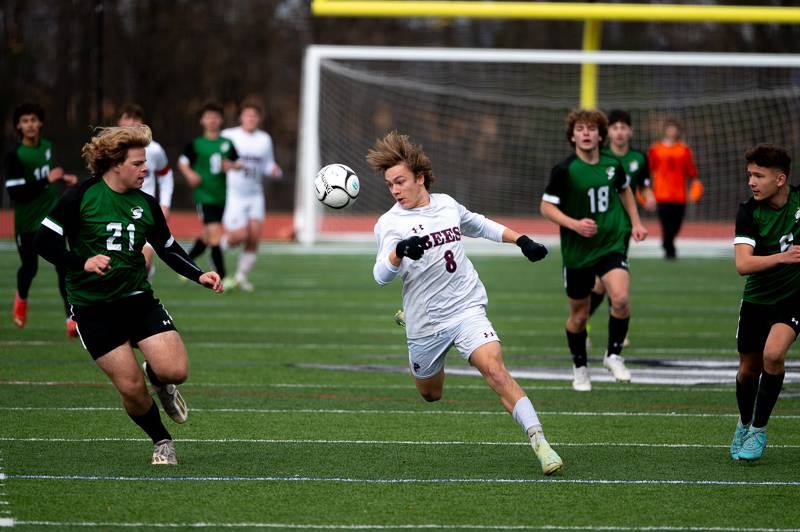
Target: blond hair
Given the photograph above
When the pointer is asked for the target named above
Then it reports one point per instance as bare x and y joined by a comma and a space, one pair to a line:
394, 149
110, 145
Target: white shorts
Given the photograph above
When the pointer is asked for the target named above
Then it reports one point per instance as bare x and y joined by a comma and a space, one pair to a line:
426, 355
239, 210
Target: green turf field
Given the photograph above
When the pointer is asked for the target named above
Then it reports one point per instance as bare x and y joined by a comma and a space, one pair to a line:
274, 440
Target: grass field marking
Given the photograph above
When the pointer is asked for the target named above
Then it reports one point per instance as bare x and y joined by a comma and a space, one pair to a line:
269, 441
425, 526
394, 412
4, 521
466, 480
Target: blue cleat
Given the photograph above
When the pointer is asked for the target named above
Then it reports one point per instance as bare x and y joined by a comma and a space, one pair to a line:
738, 439
754, 444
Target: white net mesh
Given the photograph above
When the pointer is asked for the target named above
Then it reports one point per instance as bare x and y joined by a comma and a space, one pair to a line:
495, 129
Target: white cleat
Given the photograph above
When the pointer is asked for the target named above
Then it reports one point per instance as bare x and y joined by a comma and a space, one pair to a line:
580, 380
616, 365
230, 284
171, 400
164, 453
551, 462
245, 285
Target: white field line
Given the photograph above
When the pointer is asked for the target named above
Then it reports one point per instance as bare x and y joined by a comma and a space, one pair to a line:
398, 412
422, 526
7, 521
464, 480
269, 441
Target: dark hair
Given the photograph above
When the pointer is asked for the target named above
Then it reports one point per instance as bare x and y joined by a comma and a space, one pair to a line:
394, 149
133, 110
770, 156
587, 116
212, 106
618, 115
27, 109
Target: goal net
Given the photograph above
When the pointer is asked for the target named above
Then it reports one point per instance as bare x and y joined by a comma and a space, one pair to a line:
492, 122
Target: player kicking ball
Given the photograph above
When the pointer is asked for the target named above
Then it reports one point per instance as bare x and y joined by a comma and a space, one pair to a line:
444, 301
769, 316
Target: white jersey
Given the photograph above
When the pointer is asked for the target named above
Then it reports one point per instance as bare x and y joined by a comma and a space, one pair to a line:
256, 153
443, 286
158, 169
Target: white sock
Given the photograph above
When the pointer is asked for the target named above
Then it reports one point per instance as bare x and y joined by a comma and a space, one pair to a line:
246, 261
525, 415
223, 242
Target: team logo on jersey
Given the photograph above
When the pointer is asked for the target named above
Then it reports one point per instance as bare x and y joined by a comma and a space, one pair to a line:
136, 212
47, 154
633, 166
610, 171
225, 146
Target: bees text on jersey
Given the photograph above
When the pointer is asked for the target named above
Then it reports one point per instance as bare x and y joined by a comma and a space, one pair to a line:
26, 171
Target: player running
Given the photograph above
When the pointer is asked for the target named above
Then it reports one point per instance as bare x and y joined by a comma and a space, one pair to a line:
106, 221
769, 316
590, 198
420, 240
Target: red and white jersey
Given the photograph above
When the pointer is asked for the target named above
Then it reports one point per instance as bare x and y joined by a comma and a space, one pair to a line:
256, 154
443, 285
158, 169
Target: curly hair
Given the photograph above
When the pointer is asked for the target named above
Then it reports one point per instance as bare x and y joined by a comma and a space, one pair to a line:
395, 148
587, 116
110, 145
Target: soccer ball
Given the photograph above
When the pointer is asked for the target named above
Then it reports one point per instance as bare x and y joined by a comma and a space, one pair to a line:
337, 186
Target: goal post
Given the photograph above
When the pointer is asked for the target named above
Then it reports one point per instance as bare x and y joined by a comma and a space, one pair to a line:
493, 120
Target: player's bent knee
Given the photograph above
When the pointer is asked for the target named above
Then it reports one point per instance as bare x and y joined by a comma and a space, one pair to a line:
431, 396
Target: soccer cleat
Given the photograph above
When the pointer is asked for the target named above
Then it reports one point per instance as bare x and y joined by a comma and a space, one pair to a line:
20, 311
580, 380
164, 453
616, 365
230, 284
739, 436
72, 328
754, 444
551, 462
400, 318
245, 285
171, 399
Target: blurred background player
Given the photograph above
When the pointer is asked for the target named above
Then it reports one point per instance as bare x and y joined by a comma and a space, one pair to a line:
244, 206
106, 221
420, 240
671, 164
29, 178
204, 162
159, 181
634, 162
769, 316
589, 197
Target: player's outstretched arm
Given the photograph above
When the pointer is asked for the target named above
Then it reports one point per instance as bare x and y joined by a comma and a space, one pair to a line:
532, 250
212, 281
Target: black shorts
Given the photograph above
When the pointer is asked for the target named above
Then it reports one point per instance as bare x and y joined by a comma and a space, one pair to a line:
580, 281
106, 326
210, 214
756, 321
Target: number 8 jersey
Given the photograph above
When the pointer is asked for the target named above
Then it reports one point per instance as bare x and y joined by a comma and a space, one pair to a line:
442, 287
583, 190
99, 221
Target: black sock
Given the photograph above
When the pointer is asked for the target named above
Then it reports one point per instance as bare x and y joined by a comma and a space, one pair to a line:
154, 380
152, 425
746, 398
577, 347
617, 331
768, 390
218, 260
596, 301
197, 249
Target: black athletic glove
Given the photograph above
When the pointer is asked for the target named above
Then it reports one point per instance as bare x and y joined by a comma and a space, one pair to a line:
412, 247
533, 250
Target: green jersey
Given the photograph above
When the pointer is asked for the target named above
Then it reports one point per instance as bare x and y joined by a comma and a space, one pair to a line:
205, 157
635, 165
26, 171
99, 221
583, 190
770, 231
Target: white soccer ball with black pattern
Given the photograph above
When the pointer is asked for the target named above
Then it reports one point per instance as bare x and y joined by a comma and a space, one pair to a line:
337, 186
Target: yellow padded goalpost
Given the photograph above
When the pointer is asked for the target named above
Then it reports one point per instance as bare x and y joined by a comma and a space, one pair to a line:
591, 14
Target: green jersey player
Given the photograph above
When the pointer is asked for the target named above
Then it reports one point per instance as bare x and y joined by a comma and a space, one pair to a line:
204, 162
769, 316
30, 177
590, 198
107, 220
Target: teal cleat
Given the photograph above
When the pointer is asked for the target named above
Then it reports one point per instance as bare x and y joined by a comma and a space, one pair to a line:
754, 444
739, 436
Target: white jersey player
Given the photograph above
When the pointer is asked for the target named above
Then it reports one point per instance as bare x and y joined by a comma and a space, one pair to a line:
420, 239
244, 205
